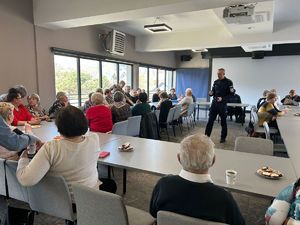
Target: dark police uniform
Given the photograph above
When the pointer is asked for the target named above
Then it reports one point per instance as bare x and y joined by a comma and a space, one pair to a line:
221, 88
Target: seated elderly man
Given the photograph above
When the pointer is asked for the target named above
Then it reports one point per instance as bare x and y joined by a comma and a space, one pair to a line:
291, 99
192, 192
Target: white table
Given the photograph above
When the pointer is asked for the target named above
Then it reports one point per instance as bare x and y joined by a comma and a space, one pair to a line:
207, 104
159, 157
289, 126
48, 131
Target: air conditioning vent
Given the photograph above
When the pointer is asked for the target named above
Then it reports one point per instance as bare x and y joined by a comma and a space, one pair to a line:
114, 43
261, 17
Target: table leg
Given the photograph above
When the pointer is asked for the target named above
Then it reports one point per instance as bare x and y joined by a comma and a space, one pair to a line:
198, 111
124, 181
108, 172
243, 116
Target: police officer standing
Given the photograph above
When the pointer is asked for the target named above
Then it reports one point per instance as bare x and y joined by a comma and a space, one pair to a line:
221, 90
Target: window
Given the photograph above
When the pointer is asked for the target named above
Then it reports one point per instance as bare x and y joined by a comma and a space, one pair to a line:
143, 78
169, 77
161, 80
66, 77
89, 77
125, 73
174, 79
109, 74
152, 81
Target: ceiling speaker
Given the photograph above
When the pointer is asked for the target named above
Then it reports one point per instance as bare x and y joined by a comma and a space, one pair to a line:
185, 58
258, 55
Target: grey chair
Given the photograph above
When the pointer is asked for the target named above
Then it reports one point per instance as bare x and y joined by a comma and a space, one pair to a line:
254, 145
51, 196
170, 218
254, 121
120, 128
16, 190
95, 207
176, 117
189, 115
279, 149
2, 177
134, 125
168, 121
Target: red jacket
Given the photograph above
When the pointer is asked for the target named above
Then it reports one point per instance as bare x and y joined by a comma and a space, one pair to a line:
100, 118
21, 115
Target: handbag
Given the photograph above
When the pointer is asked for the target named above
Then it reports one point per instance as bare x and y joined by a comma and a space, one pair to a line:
16, 215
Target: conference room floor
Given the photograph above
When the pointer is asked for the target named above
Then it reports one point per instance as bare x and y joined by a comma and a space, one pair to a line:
140, 185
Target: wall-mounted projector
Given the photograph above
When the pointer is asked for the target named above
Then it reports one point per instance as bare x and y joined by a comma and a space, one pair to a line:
242, 14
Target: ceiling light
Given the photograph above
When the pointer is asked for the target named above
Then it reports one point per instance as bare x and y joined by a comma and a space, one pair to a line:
158, 27
200, 50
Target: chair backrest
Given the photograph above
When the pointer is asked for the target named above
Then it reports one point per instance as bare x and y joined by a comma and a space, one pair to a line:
96, 207
253, 117
134, 124
170, 218
191, 109
267, 130
254, 145
15, 189
177, 112
170, 115
51, 196
157, 112
2, 178
120, 128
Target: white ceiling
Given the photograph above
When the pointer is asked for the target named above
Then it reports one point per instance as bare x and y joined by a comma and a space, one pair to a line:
196, 24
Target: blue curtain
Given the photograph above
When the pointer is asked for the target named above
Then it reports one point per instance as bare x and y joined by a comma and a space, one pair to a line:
197, 79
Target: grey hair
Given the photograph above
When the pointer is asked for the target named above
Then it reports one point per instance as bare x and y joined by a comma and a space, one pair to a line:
6, 110
196, 153
118, 96
60, 94
21, 89
97, 98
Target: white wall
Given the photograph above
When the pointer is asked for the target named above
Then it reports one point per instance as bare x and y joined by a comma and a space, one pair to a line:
250, 77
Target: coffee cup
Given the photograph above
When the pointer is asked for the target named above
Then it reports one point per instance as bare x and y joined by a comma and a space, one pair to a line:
231, 176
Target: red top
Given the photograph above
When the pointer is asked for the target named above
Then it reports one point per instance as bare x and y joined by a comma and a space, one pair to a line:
100, 118
21, 115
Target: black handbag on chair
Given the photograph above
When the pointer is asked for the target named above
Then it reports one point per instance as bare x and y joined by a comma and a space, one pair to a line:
16, 215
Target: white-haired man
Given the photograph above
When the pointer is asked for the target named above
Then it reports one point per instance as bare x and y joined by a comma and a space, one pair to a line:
192, 192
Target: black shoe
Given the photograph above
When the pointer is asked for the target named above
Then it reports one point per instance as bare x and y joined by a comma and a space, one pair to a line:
222, 140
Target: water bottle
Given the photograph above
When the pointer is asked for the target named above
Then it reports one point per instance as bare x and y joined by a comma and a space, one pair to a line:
32, 150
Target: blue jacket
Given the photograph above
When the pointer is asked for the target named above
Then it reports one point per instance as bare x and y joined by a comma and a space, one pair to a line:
13, 141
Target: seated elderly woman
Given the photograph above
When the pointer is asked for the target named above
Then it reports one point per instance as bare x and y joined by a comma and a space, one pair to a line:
143, 107
186, 101
285, 207
61, 102
267, 111
108, 96
74, 156
21, 90
35, 108
120, 110
21, 113
164, 105
99, 115
88, 103
13, 140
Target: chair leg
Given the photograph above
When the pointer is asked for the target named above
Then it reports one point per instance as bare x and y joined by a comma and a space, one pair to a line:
173, 126
168, 133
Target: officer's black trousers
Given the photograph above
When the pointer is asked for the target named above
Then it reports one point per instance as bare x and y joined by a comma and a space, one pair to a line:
215, 109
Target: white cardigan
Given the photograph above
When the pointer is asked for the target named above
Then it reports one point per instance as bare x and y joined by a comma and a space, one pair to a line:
76, 162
